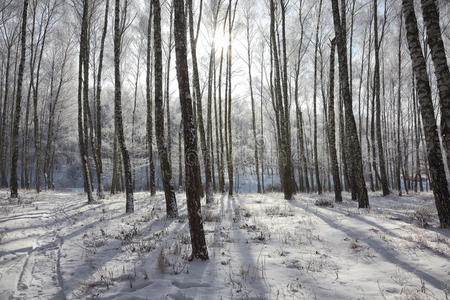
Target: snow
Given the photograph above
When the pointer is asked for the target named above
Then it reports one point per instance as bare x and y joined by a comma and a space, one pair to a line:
56, 246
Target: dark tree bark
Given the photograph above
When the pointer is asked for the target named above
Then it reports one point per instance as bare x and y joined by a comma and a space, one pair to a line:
282, 106
32, 63
369, 153
98, 127
166, 171
10, 39
148, 94
332, 129
301, 161
261, 142
228, 129
351, 131
435, 160
180, 157
441, 70
290, 184
212, 97
81, 137
383, 174
192, 168
221, 137
86, 108
167, 90
15, 129
198, 99
118, 33
316, 158
399, 110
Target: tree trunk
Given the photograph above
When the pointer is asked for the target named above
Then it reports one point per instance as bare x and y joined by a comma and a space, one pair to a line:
342, 142
115, 180
198, 99
282, 108
15, 129
221, 138
363, 200
148, 94
435, 160
180, 158
166, 170
3, 136
441, 70
98, 127
316, 158
383, 175
192, 168
167, 91
212, 97
81, 94
332, 129
118, 32
399, 109
228, 134
369, 156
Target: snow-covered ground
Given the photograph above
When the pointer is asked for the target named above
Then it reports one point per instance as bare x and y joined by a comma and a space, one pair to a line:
55, 246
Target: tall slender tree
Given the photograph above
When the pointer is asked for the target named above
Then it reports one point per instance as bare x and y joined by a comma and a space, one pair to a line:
81, 94
281, 105
399, 109
148, 96
316, 47
198, 100
351, 131
166, 170
9, 35
441, 70
377, 44
17, 110
119, 29
228, 100
192, 165
434, 155
332, 128
98, 127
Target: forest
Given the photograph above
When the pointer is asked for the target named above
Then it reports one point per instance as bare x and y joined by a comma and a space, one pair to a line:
224, 149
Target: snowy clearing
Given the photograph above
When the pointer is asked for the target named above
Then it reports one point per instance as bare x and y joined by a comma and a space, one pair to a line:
55, 246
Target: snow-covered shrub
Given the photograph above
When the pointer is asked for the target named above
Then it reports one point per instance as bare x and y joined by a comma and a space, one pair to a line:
127, 235
272, 211
324, 203
262, 237
422, 217
208, 215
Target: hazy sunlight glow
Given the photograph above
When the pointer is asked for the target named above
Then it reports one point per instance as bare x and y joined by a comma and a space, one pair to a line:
221, 40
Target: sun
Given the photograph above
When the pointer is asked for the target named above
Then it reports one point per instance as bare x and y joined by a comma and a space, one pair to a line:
221, 40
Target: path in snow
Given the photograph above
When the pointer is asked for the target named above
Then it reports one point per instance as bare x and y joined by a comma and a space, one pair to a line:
31, 250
